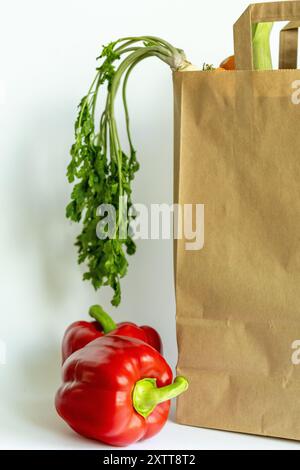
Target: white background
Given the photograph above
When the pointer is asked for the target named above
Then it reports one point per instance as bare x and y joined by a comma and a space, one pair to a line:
47, 61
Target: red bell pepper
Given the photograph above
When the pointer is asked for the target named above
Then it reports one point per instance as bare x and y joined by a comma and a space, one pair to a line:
117, 390
81, 333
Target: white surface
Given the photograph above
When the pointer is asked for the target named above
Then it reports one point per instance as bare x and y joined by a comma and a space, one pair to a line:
39, 428
48, 52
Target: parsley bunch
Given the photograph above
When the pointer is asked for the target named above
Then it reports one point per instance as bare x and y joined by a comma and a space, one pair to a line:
101, 170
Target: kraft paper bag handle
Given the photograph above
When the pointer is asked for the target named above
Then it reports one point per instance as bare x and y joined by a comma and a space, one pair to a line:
259, 13
288, 52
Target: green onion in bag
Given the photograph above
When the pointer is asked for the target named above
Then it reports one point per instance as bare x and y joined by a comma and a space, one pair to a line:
262, 58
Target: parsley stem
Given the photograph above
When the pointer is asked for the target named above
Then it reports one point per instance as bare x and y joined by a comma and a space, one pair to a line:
87, 98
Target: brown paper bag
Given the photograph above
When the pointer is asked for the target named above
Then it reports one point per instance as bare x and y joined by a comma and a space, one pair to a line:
237, 151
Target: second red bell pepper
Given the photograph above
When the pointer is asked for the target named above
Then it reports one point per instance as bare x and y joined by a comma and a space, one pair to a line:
82, 332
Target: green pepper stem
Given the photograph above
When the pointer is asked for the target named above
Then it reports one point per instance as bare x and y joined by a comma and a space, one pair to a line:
103, 318
146, 394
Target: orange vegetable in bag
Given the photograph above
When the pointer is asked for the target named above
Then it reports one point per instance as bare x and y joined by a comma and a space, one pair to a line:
229, 63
